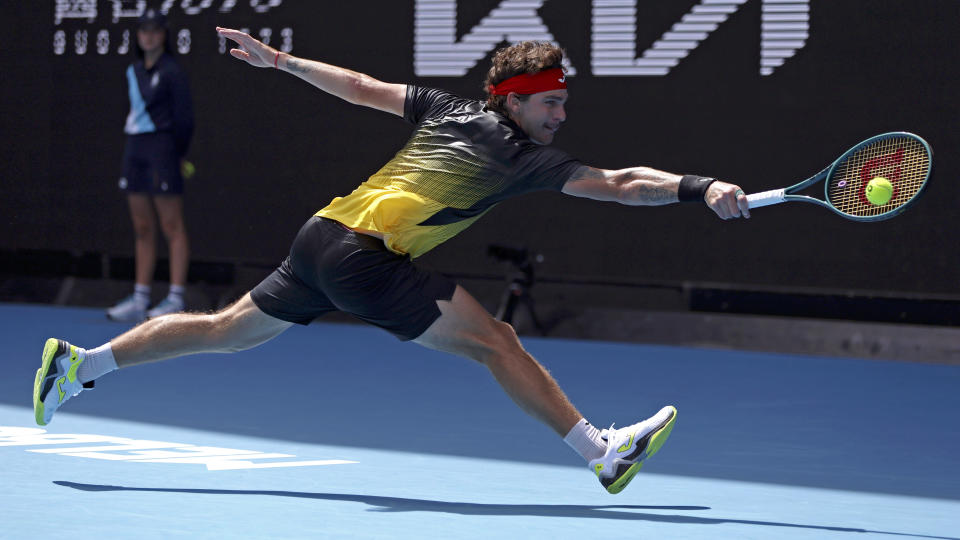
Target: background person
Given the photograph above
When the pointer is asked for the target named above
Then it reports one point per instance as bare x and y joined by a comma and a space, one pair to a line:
159, 127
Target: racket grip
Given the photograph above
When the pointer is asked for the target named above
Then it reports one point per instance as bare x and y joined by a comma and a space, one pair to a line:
766, 198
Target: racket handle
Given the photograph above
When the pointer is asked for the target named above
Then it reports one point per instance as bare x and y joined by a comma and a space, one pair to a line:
766, 198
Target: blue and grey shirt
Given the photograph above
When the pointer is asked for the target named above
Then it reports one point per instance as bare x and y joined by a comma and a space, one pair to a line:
160, 101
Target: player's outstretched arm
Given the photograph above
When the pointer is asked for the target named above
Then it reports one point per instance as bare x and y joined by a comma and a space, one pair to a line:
649, 187
351, 86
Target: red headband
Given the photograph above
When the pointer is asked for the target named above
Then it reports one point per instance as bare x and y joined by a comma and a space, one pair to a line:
526, 83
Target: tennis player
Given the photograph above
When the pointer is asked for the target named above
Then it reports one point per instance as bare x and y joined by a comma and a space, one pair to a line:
355, 254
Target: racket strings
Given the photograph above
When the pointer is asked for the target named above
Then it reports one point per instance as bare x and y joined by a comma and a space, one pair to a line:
904, 161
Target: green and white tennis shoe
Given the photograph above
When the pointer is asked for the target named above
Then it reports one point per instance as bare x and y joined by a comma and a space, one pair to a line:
628, 448
56, 379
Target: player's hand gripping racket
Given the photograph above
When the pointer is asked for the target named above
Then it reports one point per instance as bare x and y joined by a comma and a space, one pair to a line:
902, 159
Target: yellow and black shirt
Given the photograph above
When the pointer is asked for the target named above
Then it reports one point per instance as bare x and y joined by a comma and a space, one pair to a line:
461, 161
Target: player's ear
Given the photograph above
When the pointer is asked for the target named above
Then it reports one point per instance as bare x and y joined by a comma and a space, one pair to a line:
513, 103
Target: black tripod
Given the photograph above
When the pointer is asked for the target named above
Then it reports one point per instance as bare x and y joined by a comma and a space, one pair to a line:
521, 281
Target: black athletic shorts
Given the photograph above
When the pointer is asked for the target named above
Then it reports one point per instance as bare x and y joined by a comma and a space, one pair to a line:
332, 268
151, 165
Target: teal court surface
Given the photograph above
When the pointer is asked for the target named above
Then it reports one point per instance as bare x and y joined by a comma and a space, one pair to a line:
341, 431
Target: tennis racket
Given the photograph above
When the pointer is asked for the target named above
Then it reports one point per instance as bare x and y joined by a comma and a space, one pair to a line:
902, 158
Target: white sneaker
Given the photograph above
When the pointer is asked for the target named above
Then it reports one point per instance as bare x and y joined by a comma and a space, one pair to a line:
56, 380
128, 310
167, 305
629, 447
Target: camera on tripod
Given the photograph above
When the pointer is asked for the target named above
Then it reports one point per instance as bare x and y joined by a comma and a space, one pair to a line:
518, 256
521, 280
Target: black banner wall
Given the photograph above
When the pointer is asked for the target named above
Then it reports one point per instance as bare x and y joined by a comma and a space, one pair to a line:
270, 150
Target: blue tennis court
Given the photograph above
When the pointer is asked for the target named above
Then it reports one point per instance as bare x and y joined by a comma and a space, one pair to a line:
339, 431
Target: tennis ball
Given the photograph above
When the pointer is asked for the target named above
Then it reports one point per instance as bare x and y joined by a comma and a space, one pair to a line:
187, 169
879, 191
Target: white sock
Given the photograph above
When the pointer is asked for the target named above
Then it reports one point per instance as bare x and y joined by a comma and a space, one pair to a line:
176, 291
141, 294
176, 294
585, 439
97, 362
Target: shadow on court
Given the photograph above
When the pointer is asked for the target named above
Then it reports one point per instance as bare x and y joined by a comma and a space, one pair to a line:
777, 419
398, 504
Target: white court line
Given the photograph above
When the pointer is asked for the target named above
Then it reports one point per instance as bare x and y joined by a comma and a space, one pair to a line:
146, 451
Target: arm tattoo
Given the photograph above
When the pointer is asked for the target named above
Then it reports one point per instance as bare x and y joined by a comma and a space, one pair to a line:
650, 187
634, 186
653, 193
296, 65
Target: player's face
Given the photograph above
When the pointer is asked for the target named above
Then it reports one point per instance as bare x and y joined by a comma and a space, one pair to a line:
151, 38
540, 116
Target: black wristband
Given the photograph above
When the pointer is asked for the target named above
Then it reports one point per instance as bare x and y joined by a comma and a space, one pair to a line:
693, 188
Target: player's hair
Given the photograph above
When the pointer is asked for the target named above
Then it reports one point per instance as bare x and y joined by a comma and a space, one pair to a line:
524, 57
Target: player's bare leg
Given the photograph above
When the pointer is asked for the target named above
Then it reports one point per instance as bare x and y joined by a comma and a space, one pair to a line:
465, 328
235, 328
66, 370
614, 455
